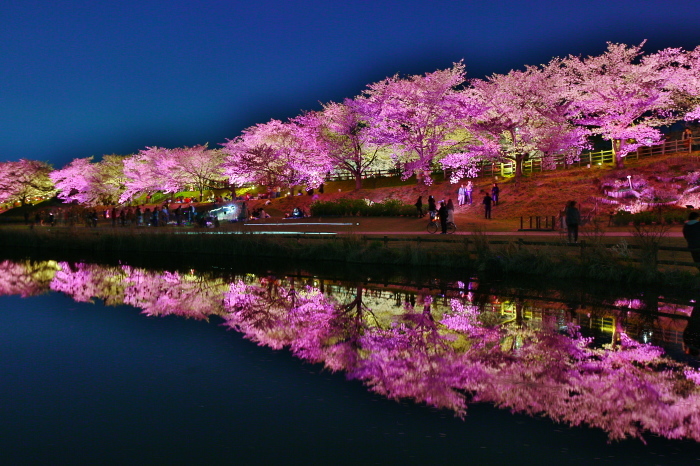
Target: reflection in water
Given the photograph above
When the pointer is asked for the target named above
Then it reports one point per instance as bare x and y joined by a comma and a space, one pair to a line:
445, 346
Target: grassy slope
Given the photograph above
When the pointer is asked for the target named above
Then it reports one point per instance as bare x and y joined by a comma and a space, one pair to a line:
539, 194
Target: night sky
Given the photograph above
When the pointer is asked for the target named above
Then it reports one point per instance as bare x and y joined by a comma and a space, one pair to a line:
82, 78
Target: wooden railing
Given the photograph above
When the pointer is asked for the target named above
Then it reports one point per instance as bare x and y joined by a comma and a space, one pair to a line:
586, 158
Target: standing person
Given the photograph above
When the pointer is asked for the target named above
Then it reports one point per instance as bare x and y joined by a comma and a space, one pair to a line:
419, 206
691, 233
443, 213
487, 204
432, 209
450, 212
494, 193
573, 219
687, 136
461, 194
468, 192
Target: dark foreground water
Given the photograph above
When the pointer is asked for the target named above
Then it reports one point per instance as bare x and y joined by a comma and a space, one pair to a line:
85, 383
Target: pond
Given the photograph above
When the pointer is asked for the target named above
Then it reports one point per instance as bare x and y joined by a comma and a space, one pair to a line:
125, 364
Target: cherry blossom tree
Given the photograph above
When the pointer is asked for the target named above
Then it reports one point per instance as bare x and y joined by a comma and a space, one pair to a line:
194, 167
90, 183
523, 117
24, 180
420, 117
146, 172
685, 76
273, 154
624, 96
340, 133
76, 181
172, 170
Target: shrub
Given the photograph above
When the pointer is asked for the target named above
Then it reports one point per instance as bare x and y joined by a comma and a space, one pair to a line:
345, 207
660, 216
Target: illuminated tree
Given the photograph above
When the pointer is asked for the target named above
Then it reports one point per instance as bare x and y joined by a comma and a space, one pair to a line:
90, 183
25, 180
196, 167
145, 172
273, 154
111, 176
624, 96
420, 117
76, 181
523, 116
340, 133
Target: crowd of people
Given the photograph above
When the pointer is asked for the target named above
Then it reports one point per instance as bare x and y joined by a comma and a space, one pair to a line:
464, 197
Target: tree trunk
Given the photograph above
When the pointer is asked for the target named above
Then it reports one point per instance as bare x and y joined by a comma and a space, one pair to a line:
519, 166
358, 180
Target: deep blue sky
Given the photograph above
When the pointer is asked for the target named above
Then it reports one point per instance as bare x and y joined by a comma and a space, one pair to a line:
81, 78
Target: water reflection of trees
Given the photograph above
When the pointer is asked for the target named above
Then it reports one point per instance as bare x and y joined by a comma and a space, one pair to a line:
446, 346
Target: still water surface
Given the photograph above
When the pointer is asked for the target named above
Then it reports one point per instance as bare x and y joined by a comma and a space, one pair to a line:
121, 364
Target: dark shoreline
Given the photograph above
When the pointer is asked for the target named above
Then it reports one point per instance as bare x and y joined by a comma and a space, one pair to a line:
365, 256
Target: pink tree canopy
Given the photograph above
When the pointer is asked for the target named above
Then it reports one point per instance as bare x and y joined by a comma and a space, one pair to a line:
90, 183
273, 154
420, 117
623, 95
523, 117
340, 133
193, 168
172, 170
146, 172
25, 179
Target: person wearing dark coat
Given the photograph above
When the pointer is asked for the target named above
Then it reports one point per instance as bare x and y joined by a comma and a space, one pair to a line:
691, 233
573, 219
432, 209
443, 213
487, 204
494, 193
419, 206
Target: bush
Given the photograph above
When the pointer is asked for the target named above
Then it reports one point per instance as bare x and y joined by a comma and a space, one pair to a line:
346, 207
661, 216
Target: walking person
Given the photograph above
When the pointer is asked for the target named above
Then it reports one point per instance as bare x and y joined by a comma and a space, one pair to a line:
494, 193
419, 206
573, 219
443, 214
461, 194
487, 204
691, 233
